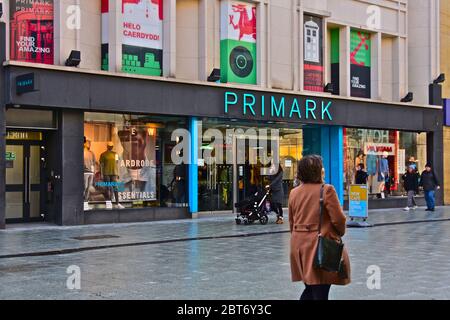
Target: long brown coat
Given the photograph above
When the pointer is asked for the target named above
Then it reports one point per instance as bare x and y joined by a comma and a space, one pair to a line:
304, 217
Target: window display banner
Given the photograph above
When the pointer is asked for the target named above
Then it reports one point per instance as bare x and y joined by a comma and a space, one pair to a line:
238, 42
31, 31
360, 60
142, 37
313, 54
105, 35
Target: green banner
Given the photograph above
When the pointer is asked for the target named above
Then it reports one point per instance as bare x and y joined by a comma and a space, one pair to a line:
360, 48
360, 68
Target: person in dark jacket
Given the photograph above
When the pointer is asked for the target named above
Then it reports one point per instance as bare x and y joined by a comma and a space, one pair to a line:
411, 185
430, 184
276, 187
361, 175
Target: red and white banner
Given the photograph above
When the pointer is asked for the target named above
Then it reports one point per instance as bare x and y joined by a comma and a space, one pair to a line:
142, 23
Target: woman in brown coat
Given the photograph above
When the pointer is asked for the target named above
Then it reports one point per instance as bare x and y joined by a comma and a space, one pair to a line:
304, 217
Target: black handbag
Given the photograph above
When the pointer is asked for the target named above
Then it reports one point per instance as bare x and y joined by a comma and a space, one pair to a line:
329, 252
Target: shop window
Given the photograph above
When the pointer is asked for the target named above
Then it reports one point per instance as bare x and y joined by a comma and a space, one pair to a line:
385, 156
127, 162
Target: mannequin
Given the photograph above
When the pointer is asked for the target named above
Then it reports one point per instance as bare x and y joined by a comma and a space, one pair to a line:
383, 173
89, 168
371, 165
412, 162
109, 171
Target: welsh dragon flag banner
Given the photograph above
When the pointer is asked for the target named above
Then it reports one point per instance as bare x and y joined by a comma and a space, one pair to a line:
238, 42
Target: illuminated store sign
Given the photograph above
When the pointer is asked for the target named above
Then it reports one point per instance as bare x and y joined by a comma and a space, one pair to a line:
278, 107
25, 83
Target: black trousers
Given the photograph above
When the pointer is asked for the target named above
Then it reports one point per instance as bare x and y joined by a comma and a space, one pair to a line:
278, 208
316, 292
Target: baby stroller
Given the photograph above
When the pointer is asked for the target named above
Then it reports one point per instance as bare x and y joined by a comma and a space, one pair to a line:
255, 208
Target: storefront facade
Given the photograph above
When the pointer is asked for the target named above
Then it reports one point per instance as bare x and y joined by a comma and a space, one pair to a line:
82, 113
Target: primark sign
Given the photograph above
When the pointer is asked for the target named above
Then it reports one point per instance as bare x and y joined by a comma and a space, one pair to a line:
277, 107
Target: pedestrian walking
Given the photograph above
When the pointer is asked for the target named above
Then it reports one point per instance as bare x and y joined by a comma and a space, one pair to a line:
430, 184
361, 176
411, 185
305, 223
276, 187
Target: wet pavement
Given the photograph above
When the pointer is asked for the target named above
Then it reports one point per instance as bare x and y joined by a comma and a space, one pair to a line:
212, 258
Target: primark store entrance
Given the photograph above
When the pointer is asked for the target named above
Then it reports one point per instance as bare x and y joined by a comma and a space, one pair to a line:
235, 158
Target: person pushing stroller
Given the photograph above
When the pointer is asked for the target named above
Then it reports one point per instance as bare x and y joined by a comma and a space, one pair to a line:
276, 188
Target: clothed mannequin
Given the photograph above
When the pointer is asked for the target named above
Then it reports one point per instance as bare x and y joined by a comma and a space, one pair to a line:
109, 171
371, 165
89, 168
412, 162
383, 172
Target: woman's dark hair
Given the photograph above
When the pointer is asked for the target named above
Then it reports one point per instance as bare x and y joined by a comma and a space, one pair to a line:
310, 169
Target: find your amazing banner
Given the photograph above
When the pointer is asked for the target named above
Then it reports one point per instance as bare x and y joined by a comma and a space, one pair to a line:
32, 31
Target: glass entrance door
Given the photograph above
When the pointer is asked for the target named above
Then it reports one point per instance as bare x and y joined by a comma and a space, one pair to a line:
24, 187
253, 156
215, 175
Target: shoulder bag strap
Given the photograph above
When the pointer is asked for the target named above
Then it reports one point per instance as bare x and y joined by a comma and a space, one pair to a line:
321, 209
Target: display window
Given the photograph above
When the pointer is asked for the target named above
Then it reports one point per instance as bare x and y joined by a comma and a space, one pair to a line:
127, 162
380, 158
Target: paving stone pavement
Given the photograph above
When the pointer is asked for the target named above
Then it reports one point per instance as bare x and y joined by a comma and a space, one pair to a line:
413, 259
